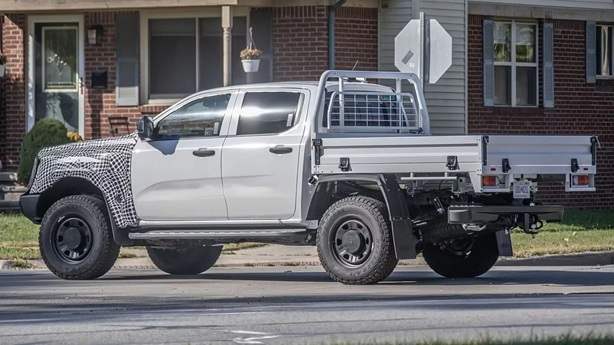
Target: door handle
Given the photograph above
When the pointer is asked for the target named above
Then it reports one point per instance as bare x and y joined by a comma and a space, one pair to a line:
203, 152
280, 149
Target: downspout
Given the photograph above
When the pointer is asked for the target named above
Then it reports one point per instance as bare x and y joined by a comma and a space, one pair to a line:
332, 10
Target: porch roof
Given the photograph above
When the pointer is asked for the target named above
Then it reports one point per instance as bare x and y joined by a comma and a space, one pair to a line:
75, 5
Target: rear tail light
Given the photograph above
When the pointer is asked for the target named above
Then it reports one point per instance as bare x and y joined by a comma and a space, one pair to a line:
580, 180
489, 181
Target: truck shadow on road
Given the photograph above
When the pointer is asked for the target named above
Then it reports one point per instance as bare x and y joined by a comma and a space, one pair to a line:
404, 277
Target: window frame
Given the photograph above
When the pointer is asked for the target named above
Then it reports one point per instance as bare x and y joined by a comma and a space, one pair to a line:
300, 110
611, 42
195, 97
44, 86
146, 16
513, 64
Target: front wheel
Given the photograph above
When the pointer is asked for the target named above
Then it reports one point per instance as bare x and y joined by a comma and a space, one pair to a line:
76, 241
184, 260
355, 242
462, 258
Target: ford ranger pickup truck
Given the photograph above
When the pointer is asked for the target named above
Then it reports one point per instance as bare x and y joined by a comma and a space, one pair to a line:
347, 165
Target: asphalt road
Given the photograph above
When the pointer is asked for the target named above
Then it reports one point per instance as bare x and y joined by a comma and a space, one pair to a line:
302, 306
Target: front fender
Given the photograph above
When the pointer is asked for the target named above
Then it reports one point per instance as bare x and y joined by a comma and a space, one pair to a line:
104, 162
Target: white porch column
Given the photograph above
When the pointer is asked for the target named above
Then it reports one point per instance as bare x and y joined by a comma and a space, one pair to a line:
227, 44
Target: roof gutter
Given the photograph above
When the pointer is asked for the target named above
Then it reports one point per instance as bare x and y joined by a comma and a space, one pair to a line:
332, 11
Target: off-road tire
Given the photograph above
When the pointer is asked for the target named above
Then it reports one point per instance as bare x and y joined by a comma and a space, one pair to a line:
104, 251
184, 260
382, 259
482, 257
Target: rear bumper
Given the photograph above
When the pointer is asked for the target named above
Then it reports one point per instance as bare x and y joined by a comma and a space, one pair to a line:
28, 203
476, 214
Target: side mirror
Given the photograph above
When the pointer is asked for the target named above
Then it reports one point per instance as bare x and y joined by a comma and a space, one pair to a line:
145, 127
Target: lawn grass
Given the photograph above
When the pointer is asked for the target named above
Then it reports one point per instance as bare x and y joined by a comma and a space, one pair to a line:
580, 231
561, 340
562, 242
18, 238
580, 220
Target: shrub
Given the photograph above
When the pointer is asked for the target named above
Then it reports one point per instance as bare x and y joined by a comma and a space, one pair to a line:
45, 133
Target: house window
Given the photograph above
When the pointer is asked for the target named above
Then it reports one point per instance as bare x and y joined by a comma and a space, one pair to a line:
515, 53
172, 57
184, 55
605, 54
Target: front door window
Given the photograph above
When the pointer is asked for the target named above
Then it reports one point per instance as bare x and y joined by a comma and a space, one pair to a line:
57, 73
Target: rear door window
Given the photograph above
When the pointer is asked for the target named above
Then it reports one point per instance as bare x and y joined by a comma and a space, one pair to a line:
268, 112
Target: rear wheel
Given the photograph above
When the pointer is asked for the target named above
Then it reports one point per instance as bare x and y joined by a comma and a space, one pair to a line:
355, 242
184, 260
76, 241
463, 258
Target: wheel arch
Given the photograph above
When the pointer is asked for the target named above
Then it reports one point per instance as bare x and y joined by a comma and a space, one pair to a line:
388, 191
65, 187
76, 186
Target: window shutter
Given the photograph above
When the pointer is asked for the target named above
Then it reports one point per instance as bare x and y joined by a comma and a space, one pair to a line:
127, 90
489, 68
548, 74
591, 57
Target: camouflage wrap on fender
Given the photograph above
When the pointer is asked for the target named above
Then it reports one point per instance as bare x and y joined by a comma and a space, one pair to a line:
103, 162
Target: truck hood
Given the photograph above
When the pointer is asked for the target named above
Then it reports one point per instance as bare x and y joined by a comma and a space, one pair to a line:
96, 149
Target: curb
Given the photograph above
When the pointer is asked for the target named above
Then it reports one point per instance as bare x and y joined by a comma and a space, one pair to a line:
580, 259
8, 265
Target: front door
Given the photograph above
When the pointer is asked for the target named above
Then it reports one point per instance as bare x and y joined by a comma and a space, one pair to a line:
56, 71
260, 163
176, 176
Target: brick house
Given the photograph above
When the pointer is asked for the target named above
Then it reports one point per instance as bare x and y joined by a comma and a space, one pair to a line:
539, 67
122, 59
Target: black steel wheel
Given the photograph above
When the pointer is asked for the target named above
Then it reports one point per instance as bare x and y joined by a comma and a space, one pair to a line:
354, 241
184, 260
462, 258
72, 239
76, 240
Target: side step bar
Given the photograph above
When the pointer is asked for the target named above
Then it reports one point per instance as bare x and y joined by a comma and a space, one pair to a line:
216, 234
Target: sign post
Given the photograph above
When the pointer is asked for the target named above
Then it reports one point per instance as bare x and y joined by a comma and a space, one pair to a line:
423, 48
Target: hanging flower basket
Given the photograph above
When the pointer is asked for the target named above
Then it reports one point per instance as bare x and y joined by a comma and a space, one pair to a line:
250, 56
251, 66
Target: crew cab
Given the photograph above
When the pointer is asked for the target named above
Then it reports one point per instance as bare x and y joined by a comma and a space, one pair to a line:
347, 165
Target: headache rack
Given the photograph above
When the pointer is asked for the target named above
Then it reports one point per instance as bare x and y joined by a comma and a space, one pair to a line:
372, 111
393, 110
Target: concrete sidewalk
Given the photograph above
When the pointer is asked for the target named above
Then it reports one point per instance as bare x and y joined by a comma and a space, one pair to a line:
278, 255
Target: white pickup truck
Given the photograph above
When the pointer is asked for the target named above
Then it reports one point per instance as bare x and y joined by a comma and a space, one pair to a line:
343, 164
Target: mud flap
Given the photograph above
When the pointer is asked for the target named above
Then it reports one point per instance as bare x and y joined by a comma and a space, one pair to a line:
504, 243
402, 234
